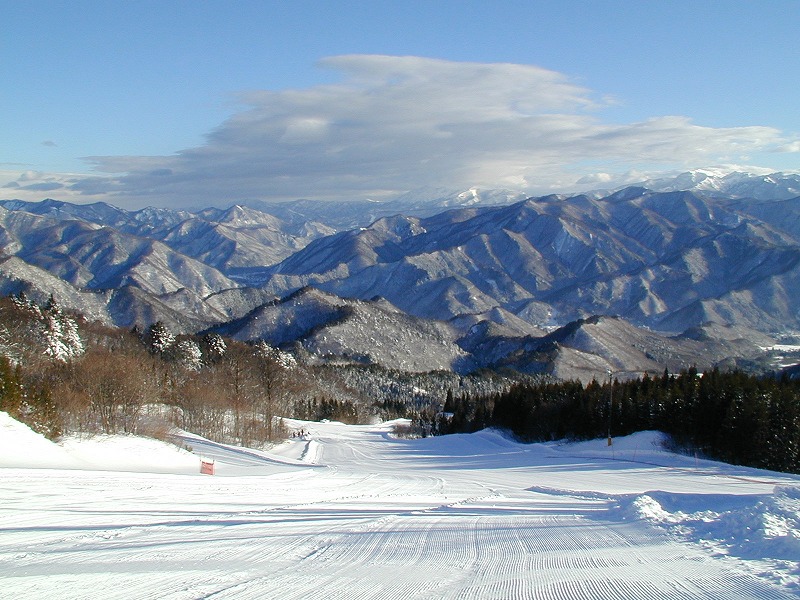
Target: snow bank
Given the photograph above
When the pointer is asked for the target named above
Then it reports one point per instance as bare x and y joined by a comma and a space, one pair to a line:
762, 527
21, 447
130, 453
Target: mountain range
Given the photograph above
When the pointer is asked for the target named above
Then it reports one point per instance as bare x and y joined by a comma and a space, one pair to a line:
698, 269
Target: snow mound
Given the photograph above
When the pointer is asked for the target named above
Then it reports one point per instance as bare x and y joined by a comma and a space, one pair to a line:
22, 447
485, 442
752, 527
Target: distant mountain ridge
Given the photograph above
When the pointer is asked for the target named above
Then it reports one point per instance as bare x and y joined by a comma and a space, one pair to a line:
458, 281
732, 184
668, 261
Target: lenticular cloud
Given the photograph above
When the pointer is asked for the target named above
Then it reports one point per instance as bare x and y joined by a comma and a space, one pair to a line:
392, 124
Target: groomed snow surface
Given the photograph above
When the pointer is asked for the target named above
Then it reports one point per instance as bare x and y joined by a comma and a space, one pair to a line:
352, 512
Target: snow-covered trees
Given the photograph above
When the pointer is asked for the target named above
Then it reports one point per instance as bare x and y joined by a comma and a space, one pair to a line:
158, 338
188, 353
60, 335
46, 331
109, 380
215, 346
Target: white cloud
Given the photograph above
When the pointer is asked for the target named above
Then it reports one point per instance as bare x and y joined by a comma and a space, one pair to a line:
31, 185
790, 147
595, 179
398, 123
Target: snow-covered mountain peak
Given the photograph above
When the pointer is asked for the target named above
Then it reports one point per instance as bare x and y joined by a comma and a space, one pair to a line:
243, 216
449, 198
402, 227
471, 196
737, 182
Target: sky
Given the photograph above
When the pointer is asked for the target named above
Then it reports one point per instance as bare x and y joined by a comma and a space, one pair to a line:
200, 103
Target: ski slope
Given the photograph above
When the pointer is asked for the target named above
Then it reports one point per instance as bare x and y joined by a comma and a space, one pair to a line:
351, 512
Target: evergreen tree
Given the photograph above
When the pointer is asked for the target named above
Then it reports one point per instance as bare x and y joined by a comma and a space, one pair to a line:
158, 338
188, 354
214, 346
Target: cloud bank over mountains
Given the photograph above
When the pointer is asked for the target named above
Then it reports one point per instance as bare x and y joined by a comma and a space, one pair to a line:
397, 123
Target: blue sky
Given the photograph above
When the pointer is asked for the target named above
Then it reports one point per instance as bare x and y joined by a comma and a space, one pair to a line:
178, 103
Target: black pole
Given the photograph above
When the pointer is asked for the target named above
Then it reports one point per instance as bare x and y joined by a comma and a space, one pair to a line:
610, 402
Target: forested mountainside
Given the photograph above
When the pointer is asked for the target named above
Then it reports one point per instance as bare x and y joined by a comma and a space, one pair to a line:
61, 373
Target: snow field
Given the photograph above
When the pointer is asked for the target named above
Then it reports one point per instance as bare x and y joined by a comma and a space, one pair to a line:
351, 512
